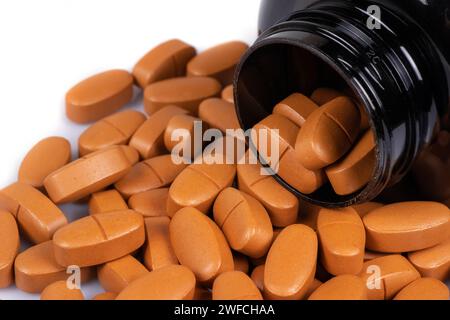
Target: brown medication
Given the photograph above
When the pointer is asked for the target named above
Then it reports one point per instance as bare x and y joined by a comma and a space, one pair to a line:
364, 208
37, 216
99, 96
169, 283
148, 140
291, 263
114, 276
180, 133
150, 174
60, 291
158, 251
407, 226
241, 263
235, 285
131, 154
328, 134
9, 247
186, 93
227, 94
87, 175
433, 262
219, 114
200, 245
424, 289
47, 156
106, 201
105, 296
343, 287
116, 129
322, 96
258, 277
150, 203
219, 61
167, 60
244, 221
297, 108
99, 238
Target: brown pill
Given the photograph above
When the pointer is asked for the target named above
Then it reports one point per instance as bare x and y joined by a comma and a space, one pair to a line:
158, 251
131, 154
342, 240
149, 138
433, 262
343, 287
281, 205
241, 263
407, 226
87, 175
291, 263
169, 283
150, 203
36, 268
186, 93
219, 61
105, 296
9, 248
198, 186
424, 289
386, 276
364, 208
99, 238
244, 221
228, 94
99, 96
200, 245
328, 134
47, 156
60, 291
314, 286
258, 277
322, 96
167, 60
235, 285
114, 276
37, 216
355, 170
116, 129
106, 201
297, 108
219, 114
290, 168
150, 174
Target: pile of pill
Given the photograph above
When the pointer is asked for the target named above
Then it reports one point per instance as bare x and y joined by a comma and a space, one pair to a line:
157, 229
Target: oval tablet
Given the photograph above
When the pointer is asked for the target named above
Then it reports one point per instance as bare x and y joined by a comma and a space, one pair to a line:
60, 291
407, 226
219, 61
99, 96
343, 287
87, 175
235, 285
116, 129
9, 247
99, 238
433, 262
167, 60
228, 94
181, 134
291, 263
169, 283
186, 93
150, 203
106, 201
219, 114
36, 268
424, 289
37, 216
200, 245
328, 134
244, 221
297, 108
47, 156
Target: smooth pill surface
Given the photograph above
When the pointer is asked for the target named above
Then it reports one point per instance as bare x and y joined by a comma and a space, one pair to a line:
148, 140
219, 114
167, 60
37, 216
106, 201
99, 96
158, 251
99, 238
424, 289
87, 175
60, 291
328, 133
244, 221
227, 94
186, 93
258, 277
114, 276
150, 174
407, 226
199, 244
150, 203
47, 156
324, 95
9, 247
116, 129
433, 262
180, 135
219, 61
342, 240
235, 285
297, 108
169, 283
344, 287
291, 263
131, 154
105, 296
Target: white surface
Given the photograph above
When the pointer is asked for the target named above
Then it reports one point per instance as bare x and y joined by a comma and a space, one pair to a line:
49, 45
